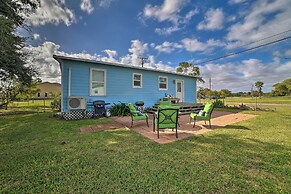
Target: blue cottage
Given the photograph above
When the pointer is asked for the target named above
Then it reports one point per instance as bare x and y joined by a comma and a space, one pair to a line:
89, 80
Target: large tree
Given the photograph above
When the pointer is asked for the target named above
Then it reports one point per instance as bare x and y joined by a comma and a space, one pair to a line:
12, 60
259, 86
15, 74
190, 69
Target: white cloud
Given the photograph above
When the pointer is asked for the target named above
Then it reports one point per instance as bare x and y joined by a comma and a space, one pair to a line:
110, 53
52, 11
161, 66
215, 43
191, 13
236, 1
193, 45
41, 59
136, 50
87, 6
257, 23
168, 47
241, 75
36, 36
105, 3
111, 56
213, 20
167, 31
169, 11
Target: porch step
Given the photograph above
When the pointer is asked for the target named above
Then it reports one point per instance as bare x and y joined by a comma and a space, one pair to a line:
185, 108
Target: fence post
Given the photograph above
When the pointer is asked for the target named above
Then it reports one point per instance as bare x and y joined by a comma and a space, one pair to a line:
43, 104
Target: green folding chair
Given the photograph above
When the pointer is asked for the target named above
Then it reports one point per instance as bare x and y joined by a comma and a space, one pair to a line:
166, 118
136, 115
208, 109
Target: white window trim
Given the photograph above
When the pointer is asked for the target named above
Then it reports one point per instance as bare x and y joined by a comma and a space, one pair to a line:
133, 86
167, 83
105, 80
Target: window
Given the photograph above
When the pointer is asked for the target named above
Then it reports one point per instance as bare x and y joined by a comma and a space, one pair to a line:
163, 83
136, 80
98, 82
45, 94
38, 94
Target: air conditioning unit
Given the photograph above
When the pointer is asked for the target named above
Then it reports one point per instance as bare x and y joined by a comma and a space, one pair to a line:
76, 102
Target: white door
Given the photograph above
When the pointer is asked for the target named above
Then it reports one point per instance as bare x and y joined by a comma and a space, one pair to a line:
180, 90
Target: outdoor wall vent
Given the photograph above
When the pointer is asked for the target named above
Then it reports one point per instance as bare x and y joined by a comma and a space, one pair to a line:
76, 102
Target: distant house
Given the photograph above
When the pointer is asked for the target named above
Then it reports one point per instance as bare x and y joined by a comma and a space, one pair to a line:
46, 88
90, 80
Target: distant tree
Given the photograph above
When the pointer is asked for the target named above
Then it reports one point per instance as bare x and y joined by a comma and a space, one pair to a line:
28, 91
201, 93
190, 69
259, 86
282, 88
12, 89
12, 61
224, 93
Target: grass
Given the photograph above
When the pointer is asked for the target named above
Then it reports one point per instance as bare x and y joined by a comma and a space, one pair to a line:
28, 106
264, 99
248, 157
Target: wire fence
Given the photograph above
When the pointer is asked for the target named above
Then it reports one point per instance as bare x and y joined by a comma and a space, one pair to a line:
28, 106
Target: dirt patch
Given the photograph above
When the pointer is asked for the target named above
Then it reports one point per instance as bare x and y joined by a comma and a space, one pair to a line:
101, 127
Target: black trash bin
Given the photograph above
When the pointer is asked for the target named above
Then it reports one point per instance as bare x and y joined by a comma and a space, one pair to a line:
99, 108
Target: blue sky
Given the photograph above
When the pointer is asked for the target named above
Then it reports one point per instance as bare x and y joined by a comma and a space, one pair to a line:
168, 32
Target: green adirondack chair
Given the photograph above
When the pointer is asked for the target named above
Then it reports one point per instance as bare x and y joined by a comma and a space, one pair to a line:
135, 115
164, 104
208, 108
166, 118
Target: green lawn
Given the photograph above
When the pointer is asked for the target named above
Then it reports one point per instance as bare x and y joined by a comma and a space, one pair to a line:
28, 106
247, 157
267, 100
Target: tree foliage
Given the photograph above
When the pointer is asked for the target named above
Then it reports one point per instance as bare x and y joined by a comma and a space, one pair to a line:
223, 93
12, 89
213, 94
15, 75
259, 85
190, 69
12, 61
282, 88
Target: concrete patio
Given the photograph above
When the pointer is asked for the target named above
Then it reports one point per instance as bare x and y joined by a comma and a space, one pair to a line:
219, 119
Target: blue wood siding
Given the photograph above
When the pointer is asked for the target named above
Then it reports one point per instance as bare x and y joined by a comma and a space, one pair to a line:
119, 84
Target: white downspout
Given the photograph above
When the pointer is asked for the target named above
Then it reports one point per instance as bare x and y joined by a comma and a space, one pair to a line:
62, 86
69, 82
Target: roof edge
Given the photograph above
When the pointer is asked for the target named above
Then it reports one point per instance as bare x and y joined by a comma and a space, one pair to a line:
59, 58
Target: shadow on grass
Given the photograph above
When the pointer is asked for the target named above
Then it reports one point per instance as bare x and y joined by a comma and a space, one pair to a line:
236, 127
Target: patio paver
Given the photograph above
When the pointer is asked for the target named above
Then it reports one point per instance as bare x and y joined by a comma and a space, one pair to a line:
219, 119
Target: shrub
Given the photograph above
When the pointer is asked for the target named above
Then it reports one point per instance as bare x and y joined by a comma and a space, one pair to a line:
119, 109
218, 103
56, 103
